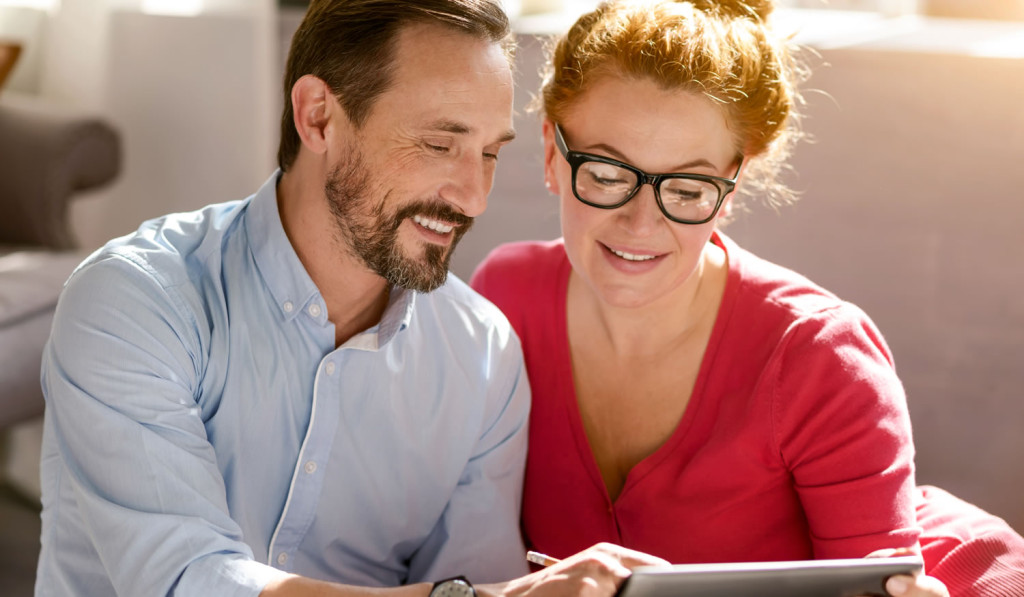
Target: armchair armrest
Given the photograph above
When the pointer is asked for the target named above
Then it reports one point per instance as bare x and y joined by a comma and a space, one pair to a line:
47, 154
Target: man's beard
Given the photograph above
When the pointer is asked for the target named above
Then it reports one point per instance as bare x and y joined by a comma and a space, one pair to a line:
371, 235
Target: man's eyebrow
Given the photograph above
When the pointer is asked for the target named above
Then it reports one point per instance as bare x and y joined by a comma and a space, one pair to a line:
459, 128
449, 126
507, 136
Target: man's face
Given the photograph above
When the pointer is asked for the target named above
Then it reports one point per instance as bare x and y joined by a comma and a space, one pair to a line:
409, 182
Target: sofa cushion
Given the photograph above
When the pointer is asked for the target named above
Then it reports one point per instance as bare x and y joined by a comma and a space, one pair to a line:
30, 282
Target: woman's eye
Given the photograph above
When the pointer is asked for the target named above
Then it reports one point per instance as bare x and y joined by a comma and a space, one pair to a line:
681, 196
606, 181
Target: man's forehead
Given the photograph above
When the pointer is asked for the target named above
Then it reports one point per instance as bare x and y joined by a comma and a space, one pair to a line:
431, 45
445, 80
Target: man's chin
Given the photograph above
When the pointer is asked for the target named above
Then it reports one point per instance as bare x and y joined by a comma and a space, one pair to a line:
425, 274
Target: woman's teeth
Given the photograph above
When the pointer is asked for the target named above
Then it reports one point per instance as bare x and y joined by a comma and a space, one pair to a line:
632, 257
434, 225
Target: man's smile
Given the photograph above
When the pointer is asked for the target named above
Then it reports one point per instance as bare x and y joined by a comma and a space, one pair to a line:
435, 225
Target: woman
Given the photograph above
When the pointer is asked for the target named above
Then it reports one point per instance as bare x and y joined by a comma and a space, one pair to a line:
691, 400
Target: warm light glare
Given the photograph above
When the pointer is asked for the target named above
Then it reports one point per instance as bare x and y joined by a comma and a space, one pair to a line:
39, 4
1010, 46
185, 8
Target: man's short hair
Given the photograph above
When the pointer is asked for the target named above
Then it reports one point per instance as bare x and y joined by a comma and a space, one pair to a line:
350, 44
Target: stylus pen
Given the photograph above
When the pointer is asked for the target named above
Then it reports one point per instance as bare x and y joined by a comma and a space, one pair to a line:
541, 559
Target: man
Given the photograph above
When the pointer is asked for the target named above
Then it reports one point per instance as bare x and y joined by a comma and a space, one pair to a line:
264, 392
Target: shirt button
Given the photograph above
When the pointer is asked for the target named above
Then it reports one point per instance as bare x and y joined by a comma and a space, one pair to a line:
310, 469
282, 558
329, 368
314, 310
288, 306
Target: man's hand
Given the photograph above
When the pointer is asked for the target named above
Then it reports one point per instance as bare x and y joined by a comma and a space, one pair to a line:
594, 572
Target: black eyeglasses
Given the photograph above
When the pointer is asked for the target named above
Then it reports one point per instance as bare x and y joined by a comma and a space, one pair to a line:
608, 184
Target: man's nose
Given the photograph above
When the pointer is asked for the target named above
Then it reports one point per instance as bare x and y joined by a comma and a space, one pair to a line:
468, 185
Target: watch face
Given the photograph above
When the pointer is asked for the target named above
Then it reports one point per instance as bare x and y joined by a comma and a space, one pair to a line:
453, 588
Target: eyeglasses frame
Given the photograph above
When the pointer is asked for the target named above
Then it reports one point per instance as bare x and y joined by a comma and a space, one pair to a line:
576, 159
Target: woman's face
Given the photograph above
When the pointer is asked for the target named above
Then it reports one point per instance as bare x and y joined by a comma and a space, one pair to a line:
633, 255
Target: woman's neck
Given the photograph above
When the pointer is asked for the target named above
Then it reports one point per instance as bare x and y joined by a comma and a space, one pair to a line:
657, 327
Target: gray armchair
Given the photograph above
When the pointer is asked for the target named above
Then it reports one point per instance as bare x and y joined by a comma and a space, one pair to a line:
48, 154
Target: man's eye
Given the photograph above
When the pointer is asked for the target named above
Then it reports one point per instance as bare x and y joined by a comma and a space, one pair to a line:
438, 148
491, 156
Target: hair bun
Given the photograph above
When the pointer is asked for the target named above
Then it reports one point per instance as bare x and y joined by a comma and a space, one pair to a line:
760, 9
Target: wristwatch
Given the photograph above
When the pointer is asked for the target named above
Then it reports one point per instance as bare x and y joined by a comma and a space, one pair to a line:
457, 586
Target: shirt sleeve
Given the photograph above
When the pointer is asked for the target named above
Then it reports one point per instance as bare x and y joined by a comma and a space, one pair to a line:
478, 534
843, 428
120, 375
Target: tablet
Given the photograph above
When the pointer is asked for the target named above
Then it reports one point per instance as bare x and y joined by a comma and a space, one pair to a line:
810, 578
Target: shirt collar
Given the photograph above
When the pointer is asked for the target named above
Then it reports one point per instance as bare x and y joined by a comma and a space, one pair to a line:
397, 314
286, 277
283, 272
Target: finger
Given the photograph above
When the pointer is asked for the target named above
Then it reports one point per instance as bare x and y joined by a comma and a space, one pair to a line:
921, 586
593, 563
630, 558
891, 552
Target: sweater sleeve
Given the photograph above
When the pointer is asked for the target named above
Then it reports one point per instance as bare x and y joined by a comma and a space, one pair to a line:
842, 426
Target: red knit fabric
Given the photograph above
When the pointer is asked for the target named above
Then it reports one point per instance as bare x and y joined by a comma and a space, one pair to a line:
973, 552
795, 444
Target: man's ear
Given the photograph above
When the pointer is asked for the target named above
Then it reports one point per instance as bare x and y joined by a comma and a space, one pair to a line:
310, 109
551, 154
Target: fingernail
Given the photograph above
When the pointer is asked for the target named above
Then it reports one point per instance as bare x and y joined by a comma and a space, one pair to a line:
897, 585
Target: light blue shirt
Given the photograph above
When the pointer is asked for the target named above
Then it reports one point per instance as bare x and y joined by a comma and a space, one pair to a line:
203, 433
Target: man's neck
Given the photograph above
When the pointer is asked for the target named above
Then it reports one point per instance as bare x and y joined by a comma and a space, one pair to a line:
355, 296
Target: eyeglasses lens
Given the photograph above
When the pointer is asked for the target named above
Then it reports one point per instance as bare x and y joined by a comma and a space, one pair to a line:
688, 199
604, 184
683, 198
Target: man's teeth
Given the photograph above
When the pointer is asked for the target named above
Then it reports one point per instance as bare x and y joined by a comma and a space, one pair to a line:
434, 225
632, 257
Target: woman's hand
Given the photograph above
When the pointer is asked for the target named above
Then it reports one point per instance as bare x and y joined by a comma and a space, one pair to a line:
904, 585
594, 572
915, 586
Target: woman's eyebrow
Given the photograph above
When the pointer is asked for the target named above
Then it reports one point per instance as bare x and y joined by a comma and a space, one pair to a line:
612, 152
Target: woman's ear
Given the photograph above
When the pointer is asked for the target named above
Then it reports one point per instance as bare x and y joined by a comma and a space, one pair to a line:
310, 110
725, 212
551, 154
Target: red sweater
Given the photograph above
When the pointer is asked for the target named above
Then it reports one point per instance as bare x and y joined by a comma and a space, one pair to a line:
796, 442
